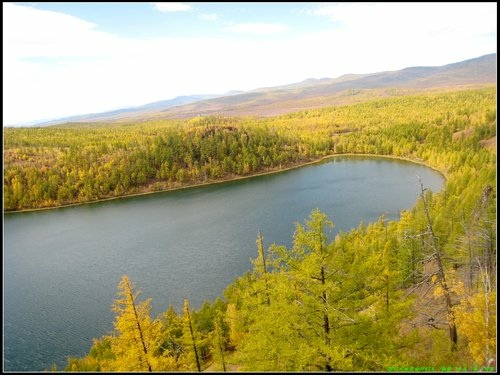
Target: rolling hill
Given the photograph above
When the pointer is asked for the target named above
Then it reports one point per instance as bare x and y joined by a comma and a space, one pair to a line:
118, 114
348, 88
311, 93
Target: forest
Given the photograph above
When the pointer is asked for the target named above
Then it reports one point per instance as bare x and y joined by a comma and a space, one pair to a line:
76, 163
417, 294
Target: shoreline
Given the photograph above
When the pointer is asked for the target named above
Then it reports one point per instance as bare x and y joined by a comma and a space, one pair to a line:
237, 178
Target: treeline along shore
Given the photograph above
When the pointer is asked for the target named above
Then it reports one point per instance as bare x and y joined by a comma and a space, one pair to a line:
61, 165
417, 294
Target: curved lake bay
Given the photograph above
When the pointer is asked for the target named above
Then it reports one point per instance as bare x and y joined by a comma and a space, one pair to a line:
62, 267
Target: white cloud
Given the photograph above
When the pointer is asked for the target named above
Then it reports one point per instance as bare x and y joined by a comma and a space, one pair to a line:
423, 17
56, 65
209, 17
30, 32
410, 19
405, 34
47, 55
172, 7
257, 28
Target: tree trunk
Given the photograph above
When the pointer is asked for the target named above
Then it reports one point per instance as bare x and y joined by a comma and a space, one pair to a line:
139, 328
442, 279
219, 344
195, 349
260, 245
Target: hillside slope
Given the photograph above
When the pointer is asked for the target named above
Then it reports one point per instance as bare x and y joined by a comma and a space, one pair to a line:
345, 89
308, 94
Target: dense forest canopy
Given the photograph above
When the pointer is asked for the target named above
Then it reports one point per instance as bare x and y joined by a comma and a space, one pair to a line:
411, 295
53, 166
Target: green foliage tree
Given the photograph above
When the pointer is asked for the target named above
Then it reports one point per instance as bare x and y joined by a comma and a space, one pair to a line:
218, 340
366, 300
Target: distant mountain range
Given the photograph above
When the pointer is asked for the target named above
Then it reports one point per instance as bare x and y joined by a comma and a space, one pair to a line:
311, 93
130, 112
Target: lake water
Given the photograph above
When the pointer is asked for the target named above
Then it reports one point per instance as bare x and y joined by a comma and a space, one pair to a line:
62, 266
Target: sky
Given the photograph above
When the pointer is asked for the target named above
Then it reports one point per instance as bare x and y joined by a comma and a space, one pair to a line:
66, 59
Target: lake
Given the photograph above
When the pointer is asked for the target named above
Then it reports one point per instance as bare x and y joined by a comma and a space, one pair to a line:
62, 266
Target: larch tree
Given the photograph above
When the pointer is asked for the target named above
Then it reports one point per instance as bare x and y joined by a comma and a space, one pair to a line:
189, 336
261, 266
218, 341
307, 270
133, 343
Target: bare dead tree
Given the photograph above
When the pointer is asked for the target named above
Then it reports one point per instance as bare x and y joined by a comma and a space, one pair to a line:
440, 272
485, 279
479, 236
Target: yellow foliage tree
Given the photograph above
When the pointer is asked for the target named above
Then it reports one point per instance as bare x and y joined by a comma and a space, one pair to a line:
135, 340
477, 314
189, 336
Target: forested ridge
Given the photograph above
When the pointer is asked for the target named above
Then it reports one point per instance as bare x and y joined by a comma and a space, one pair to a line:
414, 294
59, 165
